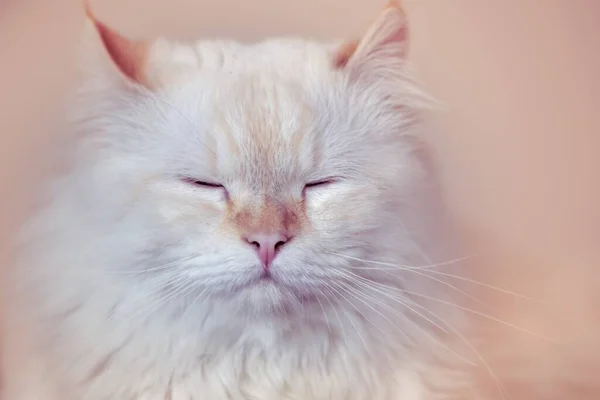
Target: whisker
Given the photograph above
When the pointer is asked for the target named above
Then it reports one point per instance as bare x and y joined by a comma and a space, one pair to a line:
396, 312
422, 273
399, 266
403, 304
326, 286
461, 337
190, 306
350, 318
478, 283
346, 290
186, 286
323, 310
417, 270
428, 269
157, 297
491, 318
135, 314
368, 284
423, 330
161, 267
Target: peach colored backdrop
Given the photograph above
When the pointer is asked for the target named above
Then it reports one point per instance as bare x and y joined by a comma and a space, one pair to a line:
524, 90
240, 19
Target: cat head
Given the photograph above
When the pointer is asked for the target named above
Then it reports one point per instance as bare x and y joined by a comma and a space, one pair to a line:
261, 174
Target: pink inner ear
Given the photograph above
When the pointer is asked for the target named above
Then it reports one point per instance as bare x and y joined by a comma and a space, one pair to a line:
399, 36
344, 53
389, 31
129, 56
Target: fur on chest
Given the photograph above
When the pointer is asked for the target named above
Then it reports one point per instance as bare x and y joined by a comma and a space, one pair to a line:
254, 377
256, 362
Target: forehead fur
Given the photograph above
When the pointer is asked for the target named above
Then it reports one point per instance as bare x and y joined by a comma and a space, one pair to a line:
266, 121
168, 61
272, 112
278, 105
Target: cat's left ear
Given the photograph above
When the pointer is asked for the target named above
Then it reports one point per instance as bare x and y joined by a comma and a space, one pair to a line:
128, 56
383, 47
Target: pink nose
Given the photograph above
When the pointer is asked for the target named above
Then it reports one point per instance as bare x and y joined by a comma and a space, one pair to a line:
267, 245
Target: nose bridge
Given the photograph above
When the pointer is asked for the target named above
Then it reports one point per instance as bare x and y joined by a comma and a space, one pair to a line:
269, 217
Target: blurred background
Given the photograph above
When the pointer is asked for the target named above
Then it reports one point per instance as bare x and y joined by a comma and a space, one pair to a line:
530, 178
241, 20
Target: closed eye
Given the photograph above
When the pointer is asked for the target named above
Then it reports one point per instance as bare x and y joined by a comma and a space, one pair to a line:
321, 183
199, 183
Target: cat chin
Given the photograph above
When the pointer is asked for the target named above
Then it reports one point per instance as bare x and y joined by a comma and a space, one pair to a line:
267, 297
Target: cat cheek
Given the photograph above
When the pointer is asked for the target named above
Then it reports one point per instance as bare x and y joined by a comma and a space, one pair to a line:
315, 200
185, 209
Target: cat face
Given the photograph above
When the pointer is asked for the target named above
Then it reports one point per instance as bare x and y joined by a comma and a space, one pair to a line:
262, 174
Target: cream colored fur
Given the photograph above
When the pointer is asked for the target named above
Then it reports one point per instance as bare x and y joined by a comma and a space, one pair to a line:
135, 285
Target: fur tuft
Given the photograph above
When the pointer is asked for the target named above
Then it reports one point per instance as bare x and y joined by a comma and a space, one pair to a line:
136, 284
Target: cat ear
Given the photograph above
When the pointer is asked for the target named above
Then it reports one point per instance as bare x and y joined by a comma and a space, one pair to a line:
129, 56
382, 47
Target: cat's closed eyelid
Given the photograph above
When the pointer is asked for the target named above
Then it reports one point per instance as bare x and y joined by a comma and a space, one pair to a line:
323, 181
201, 183
319, 183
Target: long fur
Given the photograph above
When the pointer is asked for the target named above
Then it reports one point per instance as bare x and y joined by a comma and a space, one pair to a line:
132, 284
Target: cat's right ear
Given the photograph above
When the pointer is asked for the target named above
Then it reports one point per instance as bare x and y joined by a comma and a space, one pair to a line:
381, 51
128, 56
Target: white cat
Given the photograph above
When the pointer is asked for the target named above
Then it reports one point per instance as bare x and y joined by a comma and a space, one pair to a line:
240, 222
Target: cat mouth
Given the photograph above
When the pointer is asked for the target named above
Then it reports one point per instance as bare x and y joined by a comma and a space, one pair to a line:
268, 295
266, 276
269, 283
265, 279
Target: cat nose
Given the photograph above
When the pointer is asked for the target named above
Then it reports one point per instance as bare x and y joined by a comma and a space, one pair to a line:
267, 245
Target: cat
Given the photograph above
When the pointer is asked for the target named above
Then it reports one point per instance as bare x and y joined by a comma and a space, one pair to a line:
239, 222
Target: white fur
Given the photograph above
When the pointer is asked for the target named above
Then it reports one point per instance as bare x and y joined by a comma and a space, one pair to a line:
96, 262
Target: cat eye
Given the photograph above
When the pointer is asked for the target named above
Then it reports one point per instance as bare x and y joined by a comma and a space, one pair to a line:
320, 183
205, 184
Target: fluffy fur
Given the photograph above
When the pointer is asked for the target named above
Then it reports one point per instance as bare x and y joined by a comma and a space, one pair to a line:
135, 284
